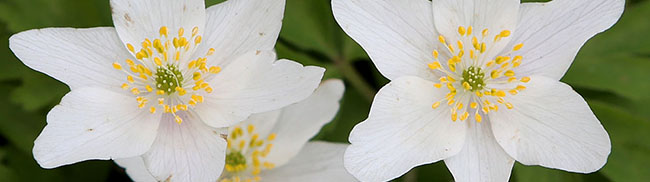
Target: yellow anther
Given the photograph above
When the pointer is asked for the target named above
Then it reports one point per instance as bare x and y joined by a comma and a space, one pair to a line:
461, 30
473, 105
271, 137
460, 45
178, 56
451, 48
152, 110
513, 92
160, 92
504, 33
195, 31
478, 118
125, 86
525, 79
130, 78
490, 63
208, 90
451, 79
161, 101
520, 87
197, 40
269, 165
178, 119
452, 67
117, 66
157, 61
437, 85
483, 47
149, 89
250, 129
163, 31
494, 74
454, 116
210, 51
509, 105
484, 32
135, 91
215, 69
485, 110
517, 47
181, 91
435, 54
130, 62
181, 31
501, 93
434, 65
130, 47
464, 116
442, 39
479, 94
435, 105
450, 102
501, 59
192, 103
196, 76
467, 86
511, 79
509, 73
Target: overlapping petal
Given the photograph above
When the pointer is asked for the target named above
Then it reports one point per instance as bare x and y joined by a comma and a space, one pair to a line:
316, 162
236, 27
552, 126
402, 132
397, 35
553, 32
94, 123
299, 122
190, 151
77, 57
482, 158
256, 83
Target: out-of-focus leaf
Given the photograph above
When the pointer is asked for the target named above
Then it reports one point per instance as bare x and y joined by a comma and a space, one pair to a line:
630, 147
619, 59
48, 90
22, 15
522, 173
354, 109
11, 67
20, 128
286, 53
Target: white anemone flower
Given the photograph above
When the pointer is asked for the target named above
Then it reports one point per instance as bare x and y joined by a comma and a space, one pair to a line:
164, 84
272, 146
475, 83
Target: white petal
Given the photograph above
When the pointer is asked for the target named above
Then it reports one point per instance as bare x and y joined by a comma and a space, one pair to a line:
93, 123
552, 126
316, 162
237, 27
256, 83
397, 35
136, 169
299, 122
495, 16
553, 32
190, 151
403, 131
77, 57
137, 20
482, 159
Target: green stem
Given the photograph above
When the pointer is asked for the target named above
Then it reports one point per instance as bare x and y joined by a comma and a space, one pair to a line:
355, 79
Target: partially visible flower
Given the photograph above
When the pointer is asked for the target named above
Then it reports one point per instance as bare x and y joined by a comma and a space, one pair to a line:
273, 146
475, 83
163, 84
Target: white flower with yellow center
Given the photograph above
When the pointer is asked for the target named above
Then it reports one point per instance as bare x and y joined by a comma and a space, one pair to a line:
475, 83
272, 146
164, 84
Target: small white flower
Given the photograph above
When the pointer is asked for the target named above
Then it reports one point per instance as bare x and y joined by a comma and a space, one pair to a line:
475, 83
273, 146
163, 84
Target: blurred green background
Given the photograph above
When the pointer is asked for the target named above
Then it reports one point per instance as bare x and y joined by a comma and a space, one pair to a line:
612, 71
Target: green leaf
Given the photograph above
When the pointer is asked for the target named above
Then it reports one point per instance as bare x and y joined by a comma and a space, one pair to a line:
617, 60
48, 90
630, 147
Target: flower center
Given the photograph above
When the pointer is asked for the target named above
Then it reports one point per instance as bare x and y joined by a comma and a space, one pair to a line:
170, 58
168, 77
477, 74
473, 76
245, 155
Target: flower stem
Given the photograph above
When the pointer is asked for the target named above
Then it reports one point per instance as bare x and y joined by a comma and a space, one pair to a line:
354, 78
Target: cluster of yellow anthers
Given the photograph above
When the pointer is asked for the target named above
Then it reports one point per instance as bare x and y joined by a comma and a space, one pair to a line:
474, 73
245, 153
160, 70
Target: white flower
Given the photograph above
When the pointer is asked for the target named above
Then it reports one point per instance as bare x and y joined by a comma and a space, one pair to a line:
163, 84
475, 83
272, 146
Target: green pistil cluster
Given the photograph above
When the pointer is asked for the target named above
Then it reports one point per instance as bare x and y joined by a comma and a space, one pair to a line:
235, 159
168, 78
474, 77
